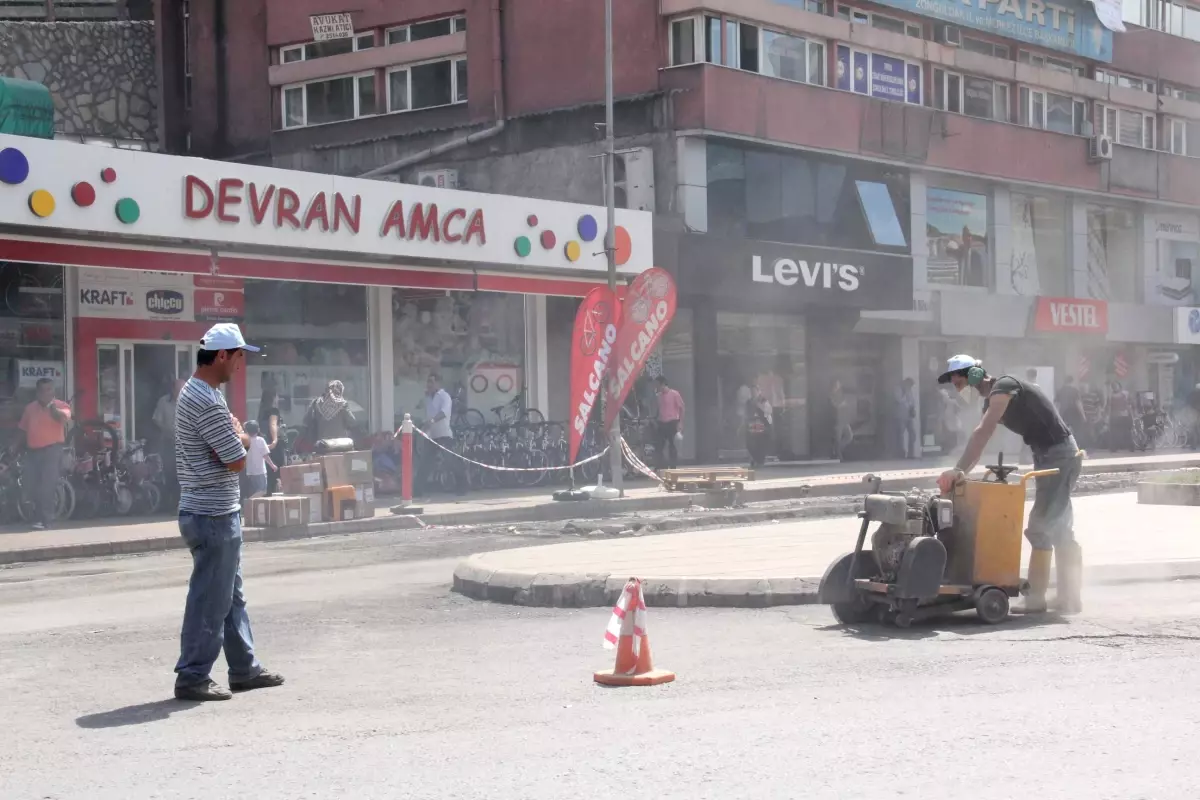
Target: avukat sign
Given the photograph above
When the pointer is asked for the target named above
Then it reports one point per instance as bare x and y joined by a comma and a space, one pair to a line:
591, 350
648, 310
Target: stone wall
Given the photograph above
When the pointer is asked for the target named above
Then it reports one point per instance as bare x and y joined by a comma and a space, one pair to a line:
102, 75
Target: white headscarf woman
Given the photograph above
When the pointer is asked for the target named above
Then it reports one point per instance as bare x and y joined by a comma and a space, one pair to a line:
329, 416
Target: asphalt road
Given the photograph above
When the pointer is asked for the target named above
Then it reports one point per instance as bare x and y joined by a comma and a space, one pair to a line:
397, 689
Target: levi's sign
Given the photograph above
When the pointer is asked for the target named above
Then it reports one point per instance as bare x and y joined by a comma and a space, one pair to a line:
1071, 315
789, 272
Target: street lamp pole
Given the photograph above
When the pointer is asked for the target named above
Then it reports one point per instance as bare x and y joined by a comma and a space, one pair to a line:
609, 238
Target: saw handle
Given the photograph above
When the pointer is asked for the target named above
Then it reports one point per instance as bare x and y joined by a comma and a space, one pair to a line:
1038, 473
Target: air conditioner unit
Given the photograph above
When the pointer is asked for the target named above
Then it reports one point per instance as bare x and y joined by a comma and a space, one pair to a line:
441, 178
949, 35
1100, 149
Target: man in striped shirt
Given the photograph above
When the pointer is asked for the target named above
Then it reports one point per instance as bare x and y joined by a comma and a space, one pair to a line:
210, 451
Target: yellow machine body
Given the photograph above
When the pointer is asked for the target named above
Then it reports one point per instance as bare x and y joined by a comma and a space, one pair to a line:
989, 523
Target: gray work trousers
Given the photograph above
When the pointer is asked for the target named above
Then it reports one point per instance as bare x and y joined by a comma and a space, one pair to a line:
1051, 522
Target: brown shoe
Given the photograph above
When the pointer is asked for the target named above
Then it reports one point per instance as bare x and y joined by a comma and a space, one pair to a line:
202, 692
263, 680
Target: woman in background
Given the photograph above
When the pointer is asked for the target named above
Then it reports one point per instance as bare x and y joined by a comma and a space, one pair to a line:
268, 425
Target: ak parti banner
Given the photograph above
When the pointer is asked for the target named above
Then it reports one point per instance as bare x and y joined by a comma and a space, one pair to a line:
591, 348
648, 309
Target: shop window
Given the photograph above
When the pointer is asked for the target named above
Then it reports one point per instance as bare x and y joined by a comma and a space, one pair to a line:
474, 340
436, 83
1039, 245
881, 76
1128, 127
966, 94
789, 197
1051, 111
311, 334
428, 29
761, 354
32, 337
957, 238
1113, 246
333, 47
329, 100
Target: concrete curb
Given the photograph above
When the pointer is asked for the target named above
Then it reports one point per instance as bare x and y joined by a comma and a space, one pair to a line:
475, 579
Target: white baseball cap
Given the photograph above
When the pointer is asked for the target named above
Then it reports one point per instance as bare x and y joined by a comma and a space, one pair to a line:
226, 336
957, 363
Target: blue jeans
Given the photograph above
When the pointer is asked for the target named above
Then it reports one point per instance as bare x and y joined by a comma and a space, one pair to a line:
215, 613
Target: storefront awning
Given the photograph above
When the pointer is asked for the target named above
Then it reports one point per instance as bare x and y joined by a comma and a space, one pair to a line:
26, 109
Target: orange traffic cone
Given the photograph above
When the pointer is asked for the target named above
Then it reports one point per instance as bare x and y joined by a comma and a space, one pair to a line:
627, 631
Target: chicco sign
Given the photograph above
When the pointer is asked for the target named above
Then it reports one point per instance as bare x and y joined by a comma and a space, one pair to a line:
164, 301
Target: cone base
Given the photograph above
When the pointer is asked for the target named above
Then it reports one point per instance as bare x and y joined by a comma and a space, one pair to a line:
652, 678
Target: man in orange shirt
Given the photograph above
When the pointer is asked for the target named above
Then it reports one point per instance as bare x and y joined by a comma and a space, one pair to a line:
43, 426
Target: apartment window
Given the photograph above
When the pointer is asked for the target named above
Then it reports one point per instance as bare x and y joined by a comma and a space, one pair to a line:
1127, 127
1049, 62
1051, 111
683, 41
1125, 81
435, 83
984, 47
856, 17
792, 58
428, 29
329, 100
966, 94
334, 47
1182, 93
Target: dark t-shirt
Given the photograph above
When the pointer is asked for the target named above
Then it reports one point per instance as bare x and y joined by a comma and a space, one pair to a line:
264, 422
1030, 414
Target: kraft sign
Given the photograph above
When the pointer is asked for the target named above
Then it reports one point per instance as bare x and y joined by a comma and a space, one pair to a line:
1070, 315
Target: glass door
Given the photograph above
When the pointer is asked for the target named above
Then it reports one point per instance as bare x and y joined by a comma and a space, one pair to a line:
114, 395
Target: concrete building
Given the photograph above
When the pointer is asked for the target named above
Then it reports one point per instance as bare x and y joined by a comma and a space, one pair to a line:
846, 191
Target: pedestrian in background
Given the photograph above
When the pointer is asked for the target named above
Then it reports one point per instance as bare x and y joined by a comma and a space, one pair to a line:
329, 416
210, 451
43, 428
164, 421
268, 424
907, 437
439, 409
258, 461
1120, 418
669, 425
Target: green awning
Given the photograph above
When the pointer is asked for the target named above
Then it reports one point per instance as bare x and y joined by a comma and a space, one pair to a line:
26, 109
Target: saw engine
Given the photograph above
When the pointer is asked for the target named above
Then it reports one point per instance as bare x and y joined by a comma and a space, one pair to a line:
902, 518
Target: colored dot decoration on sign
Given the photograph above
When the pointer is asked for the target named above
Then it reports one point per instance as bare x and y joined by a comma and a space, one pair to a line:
128, 210
41, 203
588, 228
108, 175
623, 245
83, 193
14, 166
531, 220
548, 240
522, 246
571, 251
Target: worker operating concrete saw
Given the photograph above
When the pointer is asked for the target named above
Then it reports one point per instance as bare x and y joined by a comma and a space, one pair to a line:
1024, 409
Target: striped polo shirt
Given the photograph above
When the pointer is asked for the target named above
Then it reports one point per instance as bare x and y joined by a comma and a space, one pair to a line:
203, 434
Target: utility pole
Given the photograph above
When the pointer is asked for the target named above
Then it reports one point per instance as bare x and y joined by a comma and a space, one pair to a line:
610, 246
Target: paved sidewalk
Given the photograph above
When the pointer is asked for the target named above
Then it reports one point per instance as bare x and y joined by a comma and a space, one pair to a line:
781, 563
114, 537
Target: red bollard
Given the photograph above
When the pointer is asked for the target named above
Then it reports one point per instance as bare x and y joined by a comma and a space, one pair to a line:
405, 434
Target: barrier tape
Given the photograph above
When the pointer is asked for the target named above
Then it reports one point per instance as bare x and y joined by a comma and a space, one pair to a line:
636, 462
460, 456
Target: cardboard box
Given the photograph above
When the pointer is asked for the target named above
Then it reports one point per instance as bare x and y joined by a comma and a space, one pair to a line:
316, 509
335, 469
365, 494
279, 511
301, 479
340, 504
256, 512
361, 465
